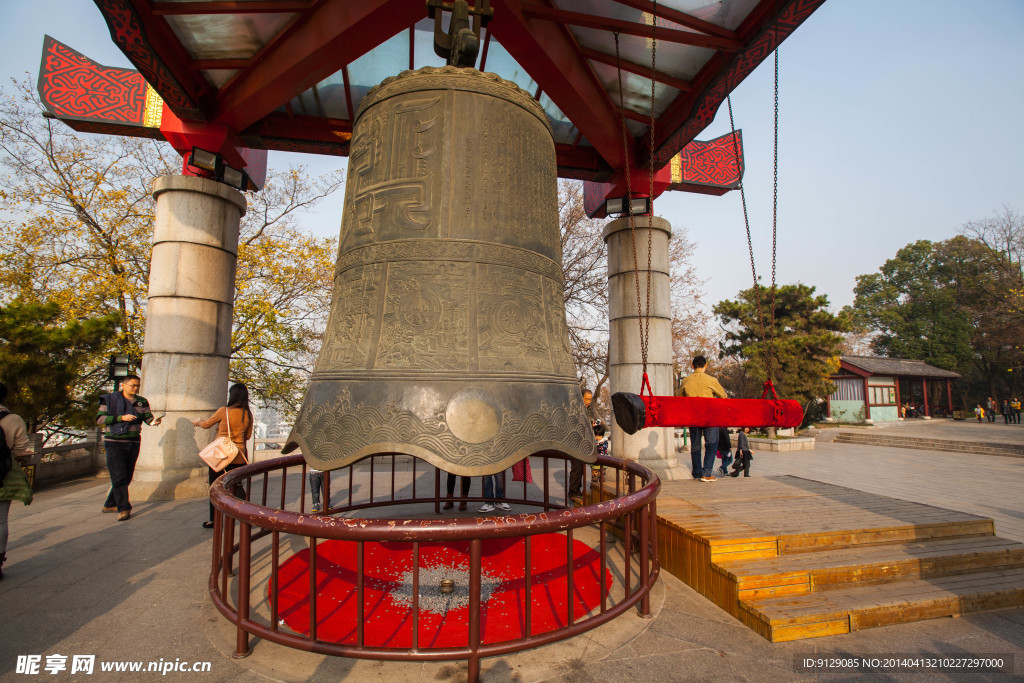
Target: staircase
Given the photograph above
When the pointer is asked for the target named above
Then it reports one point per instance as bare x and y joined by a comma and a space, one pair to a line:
803, 595
920, 443
794, 559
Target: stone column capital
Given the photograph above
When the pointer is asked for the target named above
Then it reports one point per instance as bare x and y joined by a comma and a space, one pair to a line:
187, 183
639, 222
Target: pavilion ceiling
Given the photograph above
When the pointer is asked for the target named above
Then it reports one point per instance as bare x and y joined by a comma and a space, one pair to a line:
290, 74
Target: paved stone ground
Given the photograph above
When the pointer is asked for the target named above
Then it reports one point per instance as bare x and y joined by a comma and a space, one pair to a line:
78, 582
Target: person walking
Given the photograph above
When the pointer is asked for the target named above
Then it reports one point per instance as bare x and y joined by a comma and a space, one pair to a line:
1007, 412
991, 407
450, 487
701, 384
724, 451
979, 412
15, 444
1015, 405
743, 454
121, 414
236, 418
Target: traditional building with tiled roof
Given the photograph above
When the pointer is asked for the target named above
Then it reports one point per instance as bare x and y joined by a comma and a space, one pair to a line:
873, 389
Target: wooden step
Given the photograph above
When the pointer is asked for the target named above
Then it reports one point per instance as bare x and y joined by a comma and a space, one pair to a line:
849, 609
836, 539
797, 574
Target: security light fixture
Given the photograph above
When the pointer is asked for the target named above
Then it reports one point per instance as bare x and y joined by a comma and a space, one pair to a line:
208, 161
120, 366
234, 178
638, 206
213, 163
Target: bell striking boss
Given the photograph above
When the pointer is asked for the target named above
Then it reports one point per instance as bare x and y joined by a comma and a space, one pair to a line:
447, 337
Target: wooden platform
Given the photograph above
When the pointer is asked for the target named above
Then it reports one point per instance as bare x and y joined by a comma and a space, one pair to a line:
793, 558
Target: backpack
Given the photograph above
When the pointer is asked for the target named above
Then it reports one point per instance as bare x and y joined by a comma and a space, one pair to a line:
6, 457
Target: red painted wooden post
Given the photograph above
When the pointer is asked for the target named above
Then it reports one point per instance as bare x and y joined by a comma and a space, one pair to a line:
867, 400
924, 392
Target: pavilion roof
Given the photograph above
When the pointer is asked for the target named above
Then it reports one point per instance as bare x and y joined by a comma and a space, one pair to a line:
290, 74
896, 367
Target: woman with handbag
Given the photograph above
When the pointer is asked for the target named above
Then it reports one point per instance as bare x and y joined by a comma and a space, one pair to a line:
234, 428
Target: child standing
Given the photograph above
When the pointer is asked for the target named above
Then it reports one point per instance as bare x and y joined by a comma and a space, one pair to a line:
979, 412
743, 454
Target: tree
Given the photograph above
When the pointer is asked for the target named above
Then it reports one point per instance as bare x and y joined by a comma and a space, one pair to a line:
803, 345
585, 277
45, 360
1002, 236
954, 304
692, 332
912, 310
283, 289
77, 230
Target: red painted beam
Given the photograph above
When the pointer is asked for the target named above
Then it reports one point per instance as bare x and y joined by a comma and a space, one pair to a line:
310, 128
643, 30
638, 69
582, 163
550, 55
324, 40
664, 12
635, 116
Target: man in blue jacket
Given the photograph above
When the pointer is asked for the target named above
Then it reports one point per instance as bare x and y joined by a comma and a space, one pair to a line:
122, 414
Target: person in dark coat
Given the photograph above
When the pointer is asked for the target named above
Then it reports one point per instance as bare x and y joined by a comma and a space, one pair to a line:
743, 455
724, 451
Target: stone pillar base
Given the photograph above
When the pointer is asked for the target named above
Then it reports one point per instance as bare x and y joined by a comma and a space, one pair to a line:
676, 473
173, 485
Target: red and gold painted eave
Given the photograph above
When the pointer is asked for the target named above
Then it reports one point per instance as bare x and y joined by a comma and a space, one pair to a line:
323, 36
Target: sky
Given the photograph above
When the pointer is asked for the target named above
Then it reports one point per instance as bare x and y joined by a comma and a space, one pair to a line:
900, 120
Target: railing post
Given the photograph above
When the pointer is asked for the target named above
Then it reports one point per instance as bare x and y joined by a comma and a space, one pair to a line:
645, 569
244, 558
475, 552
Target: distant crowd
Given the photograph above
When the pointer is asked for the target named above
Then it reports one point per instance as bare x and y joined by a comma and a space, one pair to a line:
1009, 409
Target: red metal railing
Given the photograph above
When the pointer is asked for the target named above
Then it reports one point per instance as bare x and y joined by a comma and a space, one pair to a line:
623, 505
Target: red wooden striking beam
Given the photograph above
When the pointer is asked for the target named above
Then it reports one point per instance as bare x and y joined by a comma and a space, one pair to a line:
633, 412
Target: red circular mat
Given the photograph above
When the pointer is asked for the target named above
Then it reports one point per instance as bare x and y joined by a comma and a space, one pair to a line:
443, 619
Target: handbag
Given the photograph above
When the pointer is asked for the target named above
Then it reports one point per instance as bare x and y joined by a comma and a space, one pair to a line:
521, 471
219, 453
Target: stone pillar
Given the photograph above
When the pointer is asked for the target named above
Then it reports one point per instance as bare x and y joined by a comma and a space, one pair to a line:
188, 330
655, 447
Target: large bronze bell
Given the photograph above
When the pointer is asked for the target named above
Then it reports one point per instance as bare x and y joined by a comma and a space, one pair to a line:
447, 337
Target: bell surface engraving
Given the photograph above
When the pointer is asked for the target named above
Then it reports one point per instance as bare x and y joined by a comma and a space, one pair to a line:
447, 337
